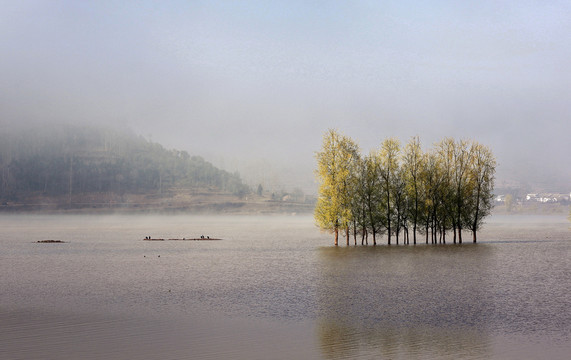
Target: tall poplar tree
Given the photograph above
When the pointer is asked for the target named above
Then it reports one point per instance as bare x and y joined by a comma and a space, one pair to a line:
372, 194
358, 202
336, 170
389, 164
412, 165
434, 185
482, 169
460, 181
450, 215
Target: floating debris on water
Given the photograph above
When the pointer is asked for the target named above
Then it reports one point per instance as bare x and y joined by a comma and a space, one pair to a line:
183, 239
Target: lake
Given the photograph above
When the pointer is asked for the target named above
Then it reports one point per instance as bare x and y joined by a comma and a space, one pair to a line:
276, 288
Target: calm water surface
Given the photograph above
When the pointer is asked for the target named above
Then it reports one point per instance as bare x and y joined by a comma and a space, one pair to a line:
275, 288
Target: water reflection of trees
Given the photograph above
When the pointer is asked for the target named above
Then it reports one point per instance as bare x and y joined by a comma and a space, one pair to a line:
342, 341
404, 302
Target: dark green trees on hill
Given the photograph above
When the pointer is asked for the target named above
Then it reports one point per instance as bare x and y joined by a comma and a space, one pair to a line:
60, 160
396, 191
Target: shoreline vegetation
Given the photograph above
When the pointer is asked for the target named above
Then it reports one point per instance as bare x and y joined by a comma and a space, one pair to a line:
532, 209
395, 191
181, 201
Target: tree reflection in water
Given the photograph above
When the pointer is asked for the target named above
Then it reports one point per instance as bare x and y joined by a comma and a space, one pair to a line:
409, 302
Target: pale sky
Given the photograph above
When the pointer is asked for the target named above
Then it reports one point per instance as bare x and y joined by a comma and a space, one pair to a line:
259, 82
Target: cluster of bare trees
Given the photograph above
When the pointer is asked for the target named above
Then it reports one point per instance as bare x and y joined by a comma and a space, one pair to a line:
399, 192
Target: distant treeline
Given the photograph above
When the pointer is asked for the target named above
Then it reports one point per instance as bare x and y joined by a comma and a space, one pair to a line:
66, 159
394, 191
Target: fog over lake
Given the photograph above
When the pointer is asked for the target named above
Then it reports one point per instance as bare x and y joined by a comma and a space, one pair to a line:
252, 85
275, 287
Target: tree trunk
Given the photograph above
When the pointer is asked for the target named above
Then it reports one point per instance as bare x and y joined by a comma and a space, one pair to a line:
414, 224
475, 225
347, 234
70, 179
336, 236
389, 233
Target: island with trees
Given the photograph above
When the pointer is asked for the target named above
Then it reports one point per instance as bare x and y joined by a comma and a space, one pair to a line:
401, 192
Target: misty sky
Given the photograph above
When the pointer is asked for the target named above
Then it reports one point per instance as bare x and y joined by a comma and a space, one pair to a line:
258, 82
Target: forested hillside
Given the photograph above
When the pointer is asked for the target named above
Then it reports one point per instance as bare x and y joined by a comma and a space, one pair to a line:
67, 161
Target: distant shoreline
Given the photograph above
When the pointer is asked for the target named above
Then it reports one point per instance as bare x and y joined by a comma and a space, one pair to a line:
204, 203
244, 207
213, 208
532, 209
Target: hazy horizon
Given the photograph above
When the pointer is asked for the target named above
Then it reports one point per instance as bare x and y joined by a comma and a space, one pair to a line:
252, 86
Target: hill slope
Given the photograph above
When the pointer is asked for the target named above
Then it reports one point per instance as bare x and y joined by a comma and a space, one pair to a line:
72, 166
